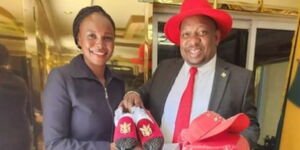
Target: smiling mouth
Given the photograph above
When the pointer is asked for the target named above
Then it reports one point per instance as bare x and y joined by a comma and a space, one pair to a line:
97, 52
195, 52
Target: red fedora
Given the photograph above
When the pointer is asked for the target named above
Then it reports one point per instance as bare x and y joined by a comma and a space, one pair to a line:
197, 7
210, 124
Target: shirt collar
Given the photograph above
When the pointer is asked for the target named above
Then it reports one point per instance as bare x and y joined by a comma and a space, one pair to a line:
207, 67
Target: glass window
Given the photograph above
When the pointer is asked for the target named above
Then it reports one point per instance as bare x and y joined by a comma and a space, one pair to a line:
272, 46
272, 50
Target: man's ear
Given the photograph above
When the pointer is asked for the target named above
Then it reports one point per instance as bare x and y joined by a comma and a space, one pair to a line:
218, 37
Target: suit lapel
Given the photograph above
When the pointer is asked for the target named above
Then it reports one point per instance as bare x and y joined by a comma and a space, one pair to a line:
172, 73
219, 85
168, 78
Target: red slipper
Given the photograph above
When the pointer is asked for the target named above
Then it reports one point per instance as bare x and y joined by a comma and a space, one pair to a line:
125, 136
149, 134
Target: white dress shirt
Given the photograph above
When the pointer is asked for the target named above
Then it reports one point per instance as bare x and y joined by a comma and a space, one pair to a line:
201, 96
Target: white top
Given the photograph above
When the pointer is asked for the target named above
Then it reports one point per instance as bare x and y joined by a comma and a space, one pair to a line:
202, 91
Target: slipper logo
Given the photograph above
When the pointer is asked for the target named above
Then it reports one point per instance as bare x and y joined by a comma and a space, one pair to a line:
125, 128
146, 130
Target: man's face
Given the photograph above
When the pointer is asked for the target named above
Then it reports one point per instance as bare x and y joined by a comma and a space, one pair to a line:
199, 39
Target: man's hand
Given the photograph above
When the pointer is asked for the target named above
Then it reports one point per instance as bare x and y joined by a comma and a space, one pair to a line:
139, 147
113, 146
131, 99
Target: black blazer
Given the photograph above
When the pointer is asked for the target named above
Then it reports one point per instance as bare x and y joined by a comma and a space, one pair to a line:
231, 94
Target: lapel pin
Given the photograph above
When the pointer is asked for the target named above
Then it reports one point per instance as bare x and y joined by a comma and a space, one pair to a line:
223, 74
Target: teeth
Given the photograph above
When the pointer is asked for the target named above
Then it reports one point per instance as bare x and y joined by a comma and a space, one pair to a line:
98, 53
195, 51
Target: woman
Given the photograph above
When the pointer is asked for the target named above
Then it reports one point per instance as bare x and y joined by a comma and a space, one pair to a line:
80, 97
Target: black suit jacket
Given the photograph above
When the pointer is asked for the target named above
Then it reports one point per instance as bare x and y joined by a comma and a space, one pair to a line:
231, 94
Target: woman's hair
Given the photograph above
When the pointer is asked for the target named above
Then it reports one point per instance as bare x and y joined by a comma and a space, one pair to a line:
4, 55
84, 12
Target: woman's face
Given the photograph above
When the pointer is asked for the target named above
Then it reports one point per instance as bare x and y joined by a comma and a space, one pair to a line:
96, 38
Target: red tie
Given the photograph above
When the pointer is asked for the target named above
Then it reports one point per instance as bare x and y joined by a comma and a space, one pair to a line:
185, 107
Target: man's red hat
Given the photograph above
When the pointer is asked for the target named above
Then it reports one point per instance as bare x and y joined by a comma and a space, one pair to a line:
197, 7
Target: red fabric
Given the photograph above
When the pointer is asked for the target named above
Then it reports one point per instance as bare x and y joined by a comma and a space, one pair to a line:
210, 124
140, 59
185, 107
197, 7
210, 131
152, 128
148, 129
223, 141
131, 128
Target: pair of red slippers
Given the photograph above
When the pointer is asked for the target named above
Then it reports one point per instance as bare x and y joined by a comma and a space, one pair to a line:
137, 128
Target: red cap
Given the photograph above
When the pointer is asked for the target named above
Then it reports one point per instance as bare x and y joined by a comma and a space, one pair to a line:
210, 124
223, 141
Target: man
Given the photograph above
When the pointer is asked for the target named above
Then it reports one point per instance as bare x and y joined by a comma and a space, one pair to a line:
218, 86
14, 122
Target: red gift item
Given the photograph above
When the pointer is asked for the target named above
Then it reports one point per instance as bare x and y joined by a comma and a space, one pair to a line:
149, 133
223, 141
210, 131
125, 135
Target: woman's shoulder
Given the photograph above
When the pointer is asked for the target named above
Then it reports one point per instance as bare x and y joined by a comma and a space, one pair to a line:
70, 67
60, 73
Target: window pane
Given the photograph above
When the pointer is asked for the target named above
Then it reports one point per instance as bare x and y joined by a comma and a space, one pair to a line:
272, 46
272, 50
